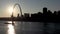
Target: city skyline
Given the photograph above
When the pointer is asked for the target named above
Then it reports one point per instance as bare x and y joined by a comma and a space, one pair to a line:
28, 6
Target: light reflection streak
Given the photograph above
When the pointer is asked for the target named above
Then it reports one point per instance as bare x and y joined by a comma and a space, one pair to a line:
11, 29
10, 22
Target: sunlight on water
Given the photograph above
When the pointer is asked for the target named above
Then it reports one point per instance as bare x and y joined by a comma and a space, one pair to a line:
9, 21
11, 29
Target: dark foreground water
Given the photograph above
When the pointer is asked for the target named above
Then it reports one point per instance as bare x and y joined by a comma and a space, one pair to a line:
29, 28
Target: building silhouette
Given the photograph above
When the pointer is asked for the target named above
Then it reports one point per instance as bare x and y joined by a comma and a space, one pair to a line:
26, 15
44, 10
12, 15
18, 16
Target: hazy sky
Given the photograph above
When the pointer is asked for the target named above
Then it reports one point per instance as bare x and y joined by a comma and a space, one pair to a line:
29, 6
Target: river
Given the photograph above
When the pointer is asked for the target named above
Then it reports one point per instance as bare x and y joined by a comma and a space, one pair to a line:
28, 28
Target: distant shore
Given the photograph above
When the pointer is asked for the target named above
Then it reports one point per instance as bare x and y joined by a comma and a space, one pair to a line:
28, 20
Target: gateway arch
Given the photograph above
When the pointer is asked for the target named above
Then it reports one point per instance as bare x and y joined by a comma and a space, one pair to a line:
19, 8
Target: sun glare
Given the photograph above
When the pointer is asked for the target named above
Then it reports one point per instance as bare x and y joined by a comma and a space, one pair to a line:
10, 9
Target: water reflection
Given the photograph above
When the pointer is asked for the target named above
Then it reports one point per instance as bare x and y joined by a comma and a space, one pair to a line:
10, 28
10, 22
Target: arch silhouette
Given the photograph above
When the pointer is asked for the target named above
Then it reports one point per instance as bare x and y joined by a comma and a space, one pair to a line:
19, 8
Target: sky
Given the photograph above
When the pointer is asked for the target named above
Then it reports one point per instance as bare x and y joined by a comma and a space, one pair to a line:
28, 6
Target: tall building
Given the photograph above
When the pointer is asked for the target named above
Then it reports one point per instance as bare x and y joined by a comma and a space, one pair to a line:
18, 15
44, 10
12, 15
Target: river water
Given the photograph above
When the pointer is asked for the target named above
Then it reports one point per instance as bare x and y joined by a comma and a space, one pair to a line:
28, 28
